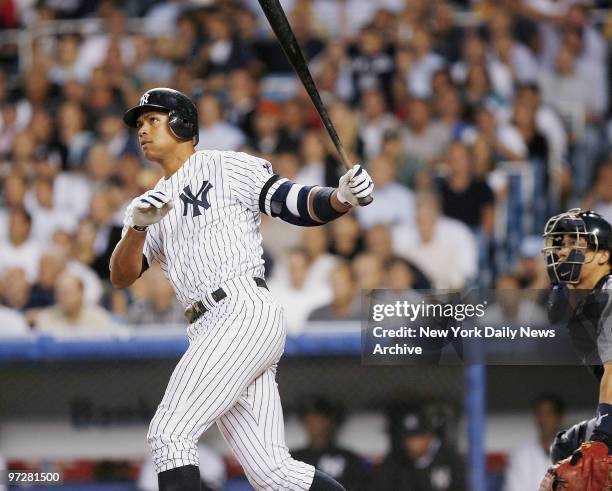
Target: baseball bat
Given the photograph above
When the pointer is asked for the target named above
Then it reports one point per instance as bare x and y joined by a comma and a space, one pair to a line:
282, 29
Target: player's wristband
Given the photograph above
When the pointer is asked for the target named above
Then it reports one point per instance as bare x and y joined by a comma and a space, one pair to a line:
138, 228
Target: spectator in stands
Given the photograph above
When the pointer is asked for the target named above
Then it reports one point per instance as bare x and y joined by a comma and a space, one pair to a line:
345, 304
298, 296
114, 135
394, 203
449, 117
464, 197
46, 216
369, 271
428, 245
268, 138
376, 121
399, 275
423, 141
529, 462
322, 263
531, 270
74, 138
599, 198
13, 193
242, 101
158, 306
372, 66
20, 250
422, 460
425, 62
346, 239
322, 420
314, 160
71, 314
215, 133
52, 264
16, 289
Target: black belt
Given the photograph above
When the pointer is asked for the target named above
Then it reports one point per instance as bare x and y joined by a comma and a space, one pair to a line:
198, 309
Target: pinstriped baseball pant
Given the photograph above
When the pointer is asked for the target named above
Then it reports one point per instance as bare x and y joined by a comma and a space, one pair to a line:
227, 376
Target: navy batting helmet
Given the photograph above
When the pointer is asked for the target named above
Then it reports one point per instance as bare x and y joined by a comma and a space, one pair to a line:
577, 231
182, 113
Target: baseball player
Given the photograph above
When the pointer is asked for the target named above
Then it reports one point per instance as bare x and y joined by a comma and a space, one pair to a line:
579, 260
201, 222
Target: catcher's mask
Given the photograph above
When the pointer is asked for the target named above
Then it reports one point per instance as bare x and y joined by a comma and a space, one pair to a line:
567, 237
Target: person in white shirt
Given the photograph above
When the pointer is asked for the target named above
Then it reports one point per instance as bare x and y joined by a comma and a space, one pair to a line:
529, 462
376, 122
214, 132
394, 202
12, 324
20, 250
443, 248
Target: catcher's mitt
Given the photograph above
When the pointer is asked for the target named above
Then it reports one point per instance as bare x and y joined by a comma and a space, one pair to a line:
588, 469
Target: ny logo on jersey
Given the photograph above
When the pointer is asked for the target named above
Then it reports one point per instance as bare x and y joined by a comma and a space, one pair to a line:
144, 99
200, 199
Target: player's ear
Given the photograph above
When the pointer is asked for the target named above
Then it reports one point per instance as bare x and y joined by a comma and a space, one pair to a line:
604, 257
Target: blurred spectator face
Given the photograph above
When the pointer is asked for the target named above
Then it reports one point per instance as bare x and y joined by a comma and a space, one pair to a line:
247, 24
100, 165
474, 50
315, 241
159, 290
459, 159
128, 168
501, 22
74, 90
370, 42
577, 16
416, 446
508, 295
63, 240
217, 28
441, 81
382, 171
85, 235
421, 41
71, 117
319, 428
478, 80
267, 120
524, 118
481, 151
368, 271
293, 115
36, 86
241, 85
43, 189
427, 214
443, 17
287, 165
548, 419
485, 120
24, 146
503, 44
69, 294
392, 147
378, 241
100, 210
110, 126
373, 104
565, 61
16, 288
399, 275
19, 226
345, 234
14, 191
448, 103
67, 50
165, 48
52, 263
342, 283
604, 182
312, 148
419, 114
298, 267
42, 126
209, 110
529, 96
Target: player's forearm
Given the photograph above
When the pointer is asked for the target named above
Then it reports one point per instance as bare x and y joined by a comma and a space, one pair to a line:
126, 261
337, 204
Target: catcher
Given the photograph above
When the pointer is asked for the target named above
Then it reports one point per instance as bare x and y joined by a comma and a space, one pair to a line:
579, 261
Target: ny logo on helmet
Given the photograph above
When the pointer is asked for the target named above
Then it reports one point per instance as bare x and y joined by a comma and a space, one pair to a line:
200, 199
144, 99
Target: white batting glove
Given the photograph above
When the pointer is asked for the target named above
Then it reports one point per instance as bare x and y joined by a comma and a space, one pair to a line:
355, 184
147, 209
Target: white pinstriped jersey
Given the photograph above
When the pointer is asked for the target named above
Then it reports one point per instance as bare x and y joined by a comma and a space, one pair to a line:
212, 234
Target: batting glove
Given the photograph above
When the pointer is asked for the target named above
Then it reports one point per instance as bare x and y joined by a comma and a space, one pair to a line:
147, 209
354, 185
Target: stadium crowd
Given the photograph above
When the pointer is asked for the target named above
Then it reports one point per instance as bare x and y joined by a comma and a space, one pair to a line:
476, 120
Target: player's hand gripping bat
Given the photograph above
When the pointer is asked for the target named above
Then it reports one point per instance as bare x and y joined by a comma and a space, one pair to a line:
280, 25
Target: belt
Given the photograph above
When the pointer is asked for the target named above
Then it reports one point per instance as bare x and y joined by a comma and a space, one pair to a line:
198, 309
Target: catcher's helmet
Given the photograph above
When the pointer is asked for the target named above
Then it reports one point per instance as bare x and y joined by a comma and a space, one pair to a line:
182, 113
576, 231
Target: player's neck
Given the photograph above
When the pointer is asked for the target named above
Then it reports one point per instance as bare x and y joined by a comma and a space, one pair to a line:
176, 160
589, 282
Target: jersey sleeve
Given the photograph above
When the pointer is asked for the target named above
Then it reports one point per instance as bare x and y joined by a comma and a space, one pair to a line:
251, 179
